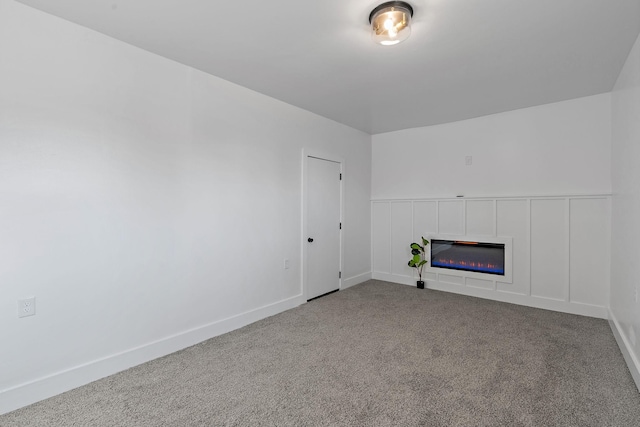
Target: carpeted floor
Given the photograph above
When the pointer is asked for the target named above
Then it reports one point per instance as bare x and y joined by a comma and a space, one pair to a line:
377, 354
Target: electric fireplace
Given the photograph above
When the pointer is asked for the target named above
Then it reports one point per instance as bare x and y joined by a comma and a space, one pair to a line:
479, 257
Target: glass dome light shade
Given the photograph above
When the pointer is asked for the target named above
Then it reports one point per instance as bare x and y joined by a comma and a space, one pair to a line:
391, 22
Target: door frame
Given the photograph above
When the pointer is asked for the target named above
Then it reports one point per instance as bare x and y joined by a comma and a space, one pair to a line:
306, 154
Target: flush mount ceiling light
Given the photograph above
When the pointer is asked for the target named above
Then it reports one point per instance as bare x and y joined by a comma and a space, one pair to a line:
391, 22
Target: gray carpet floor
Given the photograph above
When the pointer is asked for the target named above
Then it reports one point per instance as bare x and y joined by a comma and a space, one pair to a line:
377, 354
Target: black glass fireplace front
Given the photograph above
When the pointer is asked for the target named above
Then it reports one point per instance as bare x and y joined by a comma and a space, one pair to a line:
468, 256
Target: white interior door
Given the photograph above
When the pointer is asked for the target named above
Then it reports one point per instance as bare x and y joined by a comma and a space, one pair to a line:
323, 227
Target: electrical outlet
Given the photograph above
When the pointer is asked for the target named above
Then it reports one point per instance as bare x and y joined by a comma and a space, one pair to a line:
286, 264
468, 160
27, 307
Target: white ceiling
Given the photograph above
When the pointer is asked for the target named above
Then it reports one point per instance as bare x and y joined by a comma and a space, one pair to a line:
464, 59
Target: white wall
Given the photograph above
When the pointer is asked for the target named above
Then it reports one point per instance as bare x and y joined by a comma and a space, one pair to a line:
562, 148
537, 174
625, 275
146, 205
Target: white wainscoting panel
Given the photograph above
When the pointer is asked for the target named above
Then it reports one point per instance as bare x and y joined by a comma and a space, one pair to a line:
451, 279
401, 237
589, 250
381, 234
480, 218
560, 247
549, 257
451, 217
480, 283
425, 219
513, 220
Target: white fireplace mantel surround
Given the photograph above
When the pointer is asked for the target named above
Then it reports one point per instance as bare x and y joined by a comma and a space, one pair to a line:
560, 246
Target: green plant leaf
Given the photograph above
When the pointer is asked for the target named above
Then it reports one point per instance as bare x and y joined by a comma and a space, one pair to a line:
415, 246
423, 262
425, 241
415, 251
416, 259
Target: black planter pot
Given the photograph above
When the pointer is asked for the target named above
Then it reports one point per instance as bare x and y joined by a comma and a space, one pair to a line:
420, 284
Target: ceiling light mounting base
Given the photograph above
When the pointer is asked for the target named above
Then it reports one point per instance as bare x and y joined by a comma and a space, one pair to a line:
388, 4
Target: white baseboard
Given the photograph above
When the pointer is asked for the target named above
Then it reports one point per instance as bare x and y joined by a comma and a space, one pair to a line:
626, 348
355, 280
405, 280
529, 301
59, 382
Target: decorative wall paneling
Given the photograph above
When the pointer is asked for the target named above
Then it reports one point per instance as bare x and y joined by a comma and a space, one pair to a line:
560, 247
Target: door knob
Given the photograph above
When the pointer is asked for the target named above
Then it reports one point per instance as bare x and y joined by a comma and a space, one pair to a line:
310, 240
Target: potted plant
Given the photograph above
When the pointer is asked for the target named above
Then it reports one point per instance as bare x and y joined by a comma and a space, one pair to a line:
419, 259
